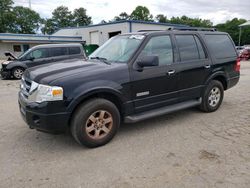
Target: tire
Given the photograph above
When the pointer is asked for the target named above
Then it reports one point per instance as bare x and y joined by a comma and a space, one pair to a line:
212, 96
17, 73
95, 123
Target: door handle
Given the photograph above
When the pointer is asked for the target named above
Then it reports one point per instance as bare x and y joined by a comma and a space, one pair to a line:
171, 72
207, 66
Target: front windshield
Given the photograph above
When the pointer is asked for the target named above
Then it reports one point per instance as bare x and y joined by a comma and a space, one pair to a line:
24, 54
118, 49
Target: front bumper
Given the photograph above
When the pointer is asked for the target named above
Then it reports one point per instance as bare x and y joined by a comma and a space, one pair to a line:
46, 116
5, 73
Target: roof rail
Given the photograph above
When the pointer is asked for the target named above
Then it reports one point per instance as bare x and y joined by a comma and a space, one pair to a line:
192, 29
145, 30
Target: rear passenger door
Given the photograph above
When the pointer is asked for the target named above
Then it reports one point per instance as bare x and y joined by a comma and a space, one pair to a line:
193, 66
59, 53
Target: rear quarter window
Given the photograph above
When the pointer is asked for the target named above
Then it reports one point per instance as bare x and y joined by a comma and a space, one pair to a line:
74, 50
221, 46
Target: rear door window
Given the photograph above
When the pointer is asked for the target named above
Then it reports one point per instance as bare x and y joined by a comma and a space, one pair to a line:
58, 51
221, 46
74, 50
187, 47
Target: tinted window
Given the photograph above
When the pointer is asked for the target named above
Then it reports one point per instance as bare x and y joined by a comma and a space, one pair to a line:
160, 46
221, 46
58, 51
17, 48
38, 54
74, 50
200, 48
187, 47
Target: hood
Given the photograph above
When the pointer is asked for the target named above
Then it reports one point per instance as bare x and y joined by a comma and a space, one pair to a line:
10, 55
51, 72
6, 62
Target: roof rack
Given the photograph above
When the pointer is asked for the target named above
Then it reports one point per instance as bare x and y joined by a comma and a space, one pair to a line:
192, 29
148, 30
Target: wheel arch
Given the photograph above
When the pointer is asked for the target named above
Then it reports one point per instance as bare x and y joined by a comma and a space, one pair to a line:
219, 76
107, 94
14, 65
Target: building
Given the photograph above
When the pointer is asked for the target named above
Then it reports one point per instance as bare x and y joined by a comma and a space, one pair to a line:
19, 43
100, 33
92, 34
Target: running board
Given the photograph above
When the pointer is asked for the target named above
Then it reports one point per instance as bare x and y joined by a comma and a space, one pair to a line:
161, 111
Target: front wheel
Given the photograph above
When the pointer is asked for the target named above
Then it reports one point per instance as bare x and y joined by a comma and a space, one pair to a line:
17, 72
212, 96
95, 122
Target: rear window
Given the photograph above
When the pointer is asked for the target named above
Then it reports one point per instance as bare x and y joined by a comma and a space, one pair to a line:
187, 47
58, 51
74, 50
221, 46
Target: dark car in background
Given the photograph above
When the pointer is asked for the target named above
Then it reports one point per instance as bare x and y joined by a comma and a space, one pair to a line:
14, 67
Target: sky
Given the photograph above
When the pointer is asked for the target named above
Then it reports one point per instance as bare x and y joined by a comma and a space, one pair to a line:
216, 11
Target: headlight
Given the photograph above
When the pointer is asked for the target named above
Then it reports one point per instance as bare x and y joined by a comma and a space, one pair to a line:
6, 62
40, 93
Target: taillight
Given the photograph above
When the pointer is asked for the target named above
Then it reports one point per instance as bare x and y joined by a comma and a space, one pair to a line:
237, 65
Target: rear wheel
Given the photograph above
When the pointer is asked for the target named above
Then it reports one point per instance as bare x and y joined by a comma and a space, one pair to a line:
212, 96
95, 122
17, 72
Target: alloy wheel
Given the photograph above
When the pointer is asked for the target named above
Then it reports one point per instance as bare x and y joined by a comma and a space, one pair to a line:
99, 124
214, 96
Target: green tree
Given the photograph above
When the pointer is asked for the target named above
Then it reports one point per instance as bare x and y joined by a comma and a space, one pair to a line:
141, 13
122, 16
6, 15
194, 22
26, 20
62, 17
161, 18
232, 27
49, 26
80, 17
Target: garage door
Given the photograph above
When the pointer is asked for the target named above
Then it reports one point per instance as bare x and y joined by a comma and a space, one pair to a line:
94, 37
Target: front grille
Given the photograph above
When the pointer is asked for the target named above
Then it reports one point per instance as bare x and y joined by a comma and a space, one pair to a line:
25, 87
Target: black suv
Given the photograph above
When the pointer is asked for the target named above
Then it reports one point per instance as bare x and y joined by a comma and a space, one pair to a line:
130, 78
39, 55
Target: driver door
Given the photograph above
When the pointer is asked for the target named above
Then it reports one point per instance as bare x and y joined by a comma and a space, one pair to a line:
38, 57
156, 86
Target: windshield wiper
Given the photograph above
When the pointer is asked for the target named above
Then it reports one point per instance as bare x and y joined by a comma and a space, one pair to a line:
101, 59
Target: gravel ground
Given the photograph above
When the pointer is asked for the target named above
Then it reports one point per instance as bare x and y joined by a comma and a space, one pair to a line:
183, 149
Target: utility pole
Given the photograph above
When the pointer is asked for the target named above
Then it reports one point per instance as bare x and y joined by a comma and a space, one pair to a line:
30, 4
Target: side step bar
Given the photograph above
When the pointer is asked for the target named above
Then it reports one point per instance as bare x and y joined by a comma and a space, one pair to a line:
161, 111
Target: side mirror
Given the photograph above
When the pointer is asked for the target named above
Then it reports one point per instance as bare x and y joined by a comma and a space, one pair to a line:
148, 61
30, 58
